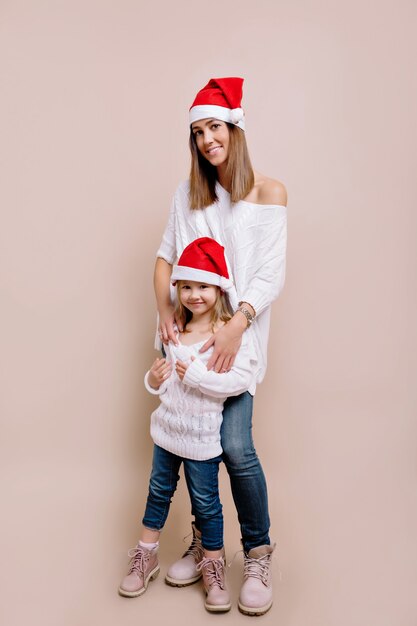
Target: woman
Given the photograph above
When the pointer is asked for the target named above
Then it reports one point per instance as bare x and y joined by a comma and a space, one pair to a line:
245, 212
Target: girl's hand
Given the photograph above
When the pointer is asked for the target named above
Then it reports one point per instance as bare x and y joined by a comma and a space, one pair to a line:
166, 325
226, 343
181, 368
160, 371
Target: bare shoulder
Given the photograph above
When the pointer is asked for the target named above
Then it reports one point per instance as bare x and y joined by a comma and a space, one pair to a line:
271, 191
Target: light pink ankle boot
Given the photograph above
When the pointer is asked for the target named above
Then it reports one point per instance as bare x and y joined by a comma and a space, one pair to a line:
184, 571
256, 592
214, 582
143, 568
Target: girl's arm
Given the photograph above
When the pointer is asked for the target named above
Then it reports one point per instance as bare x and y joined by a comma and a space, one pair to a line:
232, 383
156, 377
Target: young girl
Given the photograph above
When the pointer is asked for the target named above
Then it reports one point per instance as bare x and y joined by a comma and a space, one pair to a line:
245, 212
186, 426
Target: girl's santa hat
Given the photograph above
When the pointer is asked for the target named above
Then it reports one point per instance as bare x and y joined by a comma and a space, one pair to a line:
203, 261
220, 99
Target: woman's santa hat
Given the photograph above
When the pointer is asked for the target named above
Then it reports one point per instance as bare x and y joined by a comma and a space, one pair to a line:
203, 261
221, 99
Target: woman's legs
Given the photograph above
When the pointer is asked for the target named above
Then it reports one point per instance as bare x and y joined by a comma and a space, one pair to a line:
251, 499
247, 478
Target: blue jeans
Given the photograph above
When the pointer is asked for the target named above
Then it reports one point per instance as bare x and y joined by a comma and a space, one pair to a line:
246, 475
203, 486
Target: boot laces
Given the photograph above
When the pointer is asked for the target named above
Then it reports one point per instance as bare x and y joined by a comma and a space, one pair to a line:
214, 571
139, 560
195, 548
257, 568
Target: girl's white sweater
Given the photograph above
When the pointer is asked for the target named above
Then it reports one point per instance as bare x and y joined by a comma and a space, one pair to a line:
254, 237
187, 422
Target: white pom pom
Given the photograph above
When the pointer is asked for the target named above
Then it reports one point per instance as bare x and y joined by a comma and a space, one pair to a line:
236, 115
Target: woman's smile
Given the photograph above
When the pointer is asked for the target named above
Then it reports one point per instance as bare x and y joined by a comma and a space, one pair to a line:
214, 150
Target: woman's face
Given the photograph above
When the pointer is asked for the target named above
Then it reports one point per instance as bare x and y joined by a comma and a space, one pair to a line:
212, 139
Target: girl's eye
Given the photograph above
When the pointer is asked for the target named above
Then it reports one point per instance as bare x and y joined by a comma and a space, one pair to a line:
185, 287
197, 132
215, 125
203, 286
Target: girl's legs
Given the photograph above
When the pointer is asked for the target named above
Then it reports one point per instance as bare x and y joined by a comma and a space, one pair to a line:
162, 486
203, 487
144, 561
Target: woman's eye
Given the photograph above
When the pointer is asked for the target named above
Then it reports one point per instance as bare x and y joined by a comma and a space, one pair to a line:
215, 125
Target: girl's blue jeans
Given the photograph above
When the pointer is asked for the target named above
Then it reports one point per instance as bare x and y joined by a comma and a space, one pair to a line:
203, 487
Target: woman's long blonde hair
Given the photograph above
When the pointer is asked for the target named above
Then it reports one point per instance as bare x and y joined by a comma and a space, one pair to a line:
203, 175
221, 311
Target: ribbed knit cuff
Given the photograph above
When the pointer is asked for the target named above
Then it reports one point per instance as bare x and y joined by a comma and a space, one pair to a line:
194, 373
155, 392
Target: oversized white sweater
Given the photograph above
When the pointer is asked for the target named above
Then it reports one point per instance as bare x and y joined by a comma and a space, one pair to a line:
188, 420
254, 237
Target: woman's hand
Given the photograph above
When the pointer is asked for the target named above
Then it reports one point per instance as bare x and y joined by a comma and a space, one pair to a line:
181, 368
160, 371
166, 325
162, 281
226, 343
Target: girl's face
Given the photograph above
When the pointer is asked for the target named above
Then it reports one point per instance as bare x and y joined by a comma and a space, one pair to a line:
212, 139
197, 297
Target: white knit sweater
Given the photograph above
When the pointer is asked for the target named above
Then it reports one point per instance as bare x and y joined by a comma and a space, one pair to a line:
254, 237
188, 420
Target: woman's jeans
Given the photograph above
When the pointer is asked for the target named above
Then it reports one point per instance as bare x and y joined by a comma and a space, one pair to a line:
203, 487
246, 475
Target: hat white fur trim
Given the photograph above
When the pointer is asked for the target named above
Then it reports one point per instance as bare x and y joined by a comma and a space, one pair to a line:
203, 111
182, 272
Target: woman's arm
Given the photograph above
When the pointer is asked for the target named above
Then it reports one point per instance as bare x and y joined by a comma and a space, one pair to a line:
227, 342
162, 278
266, 258
232, 383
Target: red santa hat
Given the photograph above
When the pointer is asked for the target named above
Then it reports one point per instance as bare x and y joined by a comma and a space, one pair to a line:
220, 99
203, 261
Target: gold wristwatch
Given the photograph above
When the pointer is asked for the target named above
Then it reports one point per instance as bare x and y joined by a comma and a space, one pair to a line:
246, 313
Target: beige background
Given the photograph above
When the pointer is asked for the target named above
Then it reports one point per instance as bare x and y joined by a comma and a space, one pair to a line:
93, 143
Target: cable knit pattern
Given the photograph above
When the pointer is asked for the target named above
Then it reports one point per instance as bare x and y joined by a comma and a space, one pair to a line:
254, 237
187, 422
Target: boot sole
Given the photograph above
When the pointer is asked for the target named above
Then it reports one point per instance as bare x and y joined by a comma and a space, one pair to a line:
247, 610
176, 582
135, 594
213, 608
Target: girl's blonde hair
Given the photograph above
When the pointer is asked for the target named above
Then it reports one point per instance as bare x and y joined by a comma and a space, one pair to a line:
203, 175
221, 311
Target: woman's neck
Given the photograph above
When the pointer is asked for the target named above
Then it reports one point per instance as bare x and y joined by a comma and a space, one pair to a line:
224, 179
